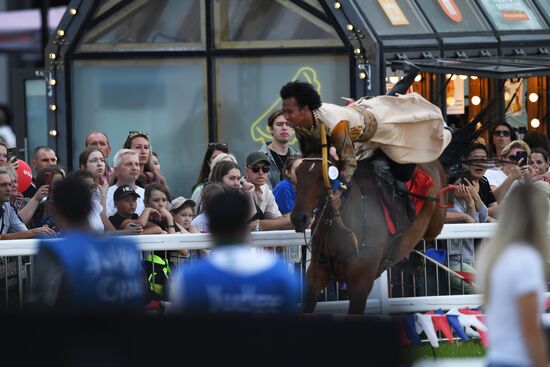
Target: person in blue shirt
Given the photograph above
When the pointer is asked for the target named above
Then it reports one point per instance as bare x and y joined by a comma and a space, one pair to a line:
235, 279
84, 272
284, 191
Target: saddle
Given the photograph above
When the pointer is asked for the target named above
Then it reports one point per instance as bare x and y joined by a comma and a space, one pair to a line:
399, 210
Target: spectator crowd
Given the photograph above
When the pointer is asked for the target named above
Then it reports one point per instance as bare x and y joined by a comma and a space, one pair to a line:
132, 196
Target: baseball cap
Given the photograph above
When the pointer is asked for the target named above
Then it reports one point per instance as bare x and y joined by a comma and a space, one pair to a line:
124, 190
257, 157
180, 201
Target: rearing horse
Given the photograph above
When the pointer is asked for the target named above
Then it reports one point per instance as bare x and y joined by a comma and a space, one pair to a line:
359, 251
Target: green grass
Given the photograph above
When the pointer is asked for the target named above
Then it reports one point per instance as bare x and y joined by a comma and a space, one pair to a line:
460, 349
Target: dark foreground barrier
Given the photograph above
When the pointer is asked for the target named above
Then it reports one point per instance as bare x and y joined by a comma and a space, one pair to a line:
122, 340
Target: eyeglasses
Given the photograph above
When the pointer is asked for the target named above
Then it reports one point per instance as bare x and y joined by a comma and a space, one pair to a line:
131, 134
95, 160
256, 169
504, 133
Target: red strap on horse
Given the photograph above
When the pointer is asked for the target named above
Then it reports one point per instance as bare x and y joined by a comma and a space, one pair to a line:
420, 184
389, 221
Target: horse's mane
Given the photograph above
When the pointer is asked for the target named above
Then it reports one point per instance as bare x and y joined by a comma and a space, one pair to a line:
311, 147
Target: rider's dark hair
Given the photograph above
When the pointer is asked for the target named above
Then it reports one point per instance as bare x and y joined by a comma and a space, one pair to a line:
304, 94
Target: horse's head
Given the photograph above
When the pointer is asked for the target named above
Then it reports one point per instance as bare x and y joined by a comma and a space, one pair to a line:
311, 193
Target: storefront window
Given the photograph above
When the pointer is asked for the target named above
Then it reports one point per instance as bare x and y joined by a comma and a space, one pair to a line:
248, 92
165, 98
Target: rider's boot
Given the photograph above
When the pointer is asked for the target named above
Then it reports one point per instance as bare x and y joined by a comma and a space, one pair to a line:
401, 87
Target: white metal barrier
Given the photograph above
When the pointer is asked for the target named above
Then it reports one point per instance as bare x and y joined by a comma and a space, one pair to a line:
378, 302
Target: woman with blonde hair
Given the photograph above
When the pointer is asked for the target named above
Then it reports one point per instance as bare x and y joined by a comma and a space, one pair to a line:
515, 167
511, 270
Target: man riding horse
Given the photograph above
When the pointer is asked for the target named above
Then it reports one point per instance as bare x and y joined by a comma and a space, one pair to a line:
407, 128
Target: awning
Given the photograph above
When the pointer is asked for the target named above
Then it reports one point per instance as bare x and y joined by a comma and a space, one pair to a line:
496, 68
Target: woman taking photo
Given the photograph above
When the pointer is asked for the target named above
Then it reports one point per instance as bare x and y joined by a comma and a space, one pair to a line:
512, 273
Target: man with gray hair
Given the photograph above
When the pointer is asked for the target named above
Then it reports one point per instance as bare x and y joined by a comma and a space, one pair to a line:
126, 173
11, 226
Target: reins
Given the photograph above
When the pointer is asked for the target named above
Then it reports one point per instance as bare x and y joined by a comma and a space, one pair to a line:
326, 182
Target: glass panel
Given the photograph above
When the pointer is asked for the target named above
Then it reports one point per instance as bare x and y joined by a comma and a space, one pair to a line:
513, 14
4, 79
268, 23
165, 98
241, 80
392, 17
153, 24
315, 4
454, 16
545, 4
105, 5
36, 113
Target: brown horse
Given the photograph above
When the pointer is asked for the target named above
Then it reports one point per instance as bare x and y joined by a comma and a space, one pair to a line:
359, 251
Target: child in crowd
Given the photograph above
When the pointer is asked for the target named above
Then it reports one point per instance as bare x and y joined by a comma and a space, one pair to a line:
183, 211
125, 198
156, 199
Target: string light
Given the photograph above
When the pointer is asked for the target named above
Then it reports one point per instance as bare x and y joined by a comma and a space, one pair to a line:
337, 5
362, 75
533, 97
349, 27
72, 11
52, 82
476, 100
52, 132
535, 123
53, 107
473, 77
418, 78
60, 33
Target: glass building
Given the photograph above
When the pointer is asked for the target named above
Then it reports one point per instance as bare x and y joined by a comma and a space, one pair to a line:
195, 71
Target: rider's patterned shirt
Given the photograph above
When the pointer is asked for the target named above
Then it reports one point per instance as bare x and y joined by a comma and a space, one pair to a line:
346, 135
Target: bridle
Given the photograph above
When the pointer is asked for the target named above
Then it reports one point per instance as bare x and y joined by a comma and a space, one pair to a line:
326, 183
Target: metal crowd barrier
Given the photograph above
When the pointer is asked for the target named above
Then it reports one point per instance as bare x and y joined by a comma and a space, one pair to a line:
395, 291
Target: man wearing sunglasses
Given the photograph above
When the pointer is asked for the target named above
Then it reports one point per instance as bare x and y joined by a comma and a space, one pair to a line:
266, 210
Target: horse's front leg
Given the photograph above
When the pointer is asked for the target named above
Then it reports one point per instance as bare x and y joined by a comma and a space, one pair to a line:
317, 278
360, 283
